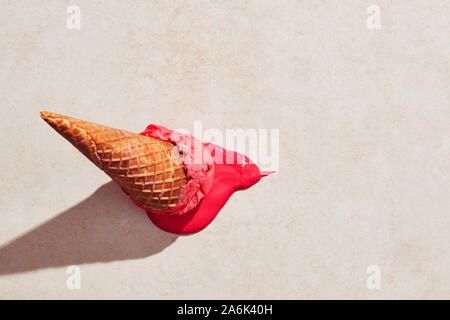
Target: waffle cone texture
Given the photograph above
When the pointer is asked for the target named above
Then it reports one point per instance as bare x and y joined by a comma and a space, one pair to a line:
150, 170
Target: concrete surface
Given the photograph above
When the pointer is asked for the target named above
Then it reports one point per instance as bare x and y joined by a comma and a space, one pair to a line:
364, 147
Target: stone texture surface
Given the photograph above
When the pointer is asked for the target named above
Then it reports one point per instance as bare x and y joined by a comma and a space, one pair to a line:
364, 147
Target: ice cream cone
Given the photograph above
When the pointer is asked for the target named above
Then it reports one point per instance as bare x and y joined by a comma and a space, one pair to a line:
150, 170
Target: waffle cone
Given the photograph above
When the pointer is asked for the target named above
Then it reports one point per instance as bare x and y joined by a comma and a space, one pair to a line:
150, 170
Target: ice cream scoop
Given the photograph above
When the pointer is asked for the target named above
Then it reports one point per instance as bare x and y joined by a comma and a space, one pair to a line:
181, 182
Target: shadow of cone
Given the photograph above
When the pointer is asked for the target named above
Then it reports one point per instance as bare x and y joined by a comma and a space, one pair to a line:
107, 226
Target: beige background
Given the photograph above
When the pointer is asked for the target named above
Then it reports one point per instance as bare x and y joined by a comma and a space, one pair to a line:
364, 147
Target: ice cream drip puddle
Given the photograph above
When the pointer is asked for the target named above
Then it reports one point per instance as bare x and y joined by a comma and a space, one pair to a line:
229, 177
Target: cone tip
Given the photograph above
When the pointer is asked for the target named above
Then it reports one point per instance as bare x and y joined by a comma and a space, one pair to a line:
51, 117
45, 114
